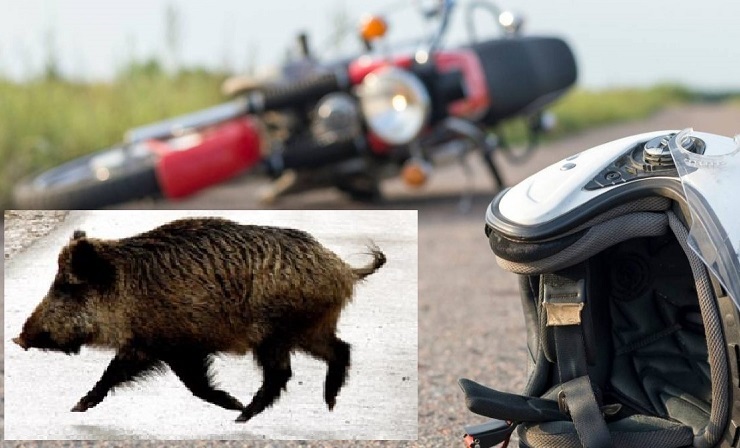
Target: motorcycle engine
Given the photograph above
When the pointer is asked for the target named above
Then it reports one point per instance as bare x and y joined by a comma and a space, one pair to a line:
336, 117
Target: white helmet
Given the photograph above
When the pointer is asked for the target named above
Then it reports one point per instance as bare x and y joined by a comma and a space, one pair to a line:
630, 282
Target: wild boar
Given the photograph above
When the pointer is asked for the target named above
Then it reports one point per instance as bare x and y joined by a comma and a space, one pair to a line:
179, 294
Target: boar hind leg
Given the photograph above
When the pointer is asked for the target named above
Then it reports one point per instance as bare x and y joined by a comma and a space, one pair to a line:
192, 369
336, 353
274, 358
125, 367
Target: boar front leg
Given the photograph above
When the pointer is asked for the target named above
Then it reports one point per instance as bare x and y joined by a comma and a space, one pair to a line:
192, 369
127, 366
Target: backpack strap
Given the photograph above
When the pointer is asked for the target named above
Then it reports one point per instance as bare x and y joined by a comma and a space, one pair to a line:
563, 301
492, 403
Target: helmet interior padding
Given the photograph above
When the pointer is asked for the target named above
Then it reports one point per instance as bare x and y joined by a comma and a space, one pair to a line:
656, 357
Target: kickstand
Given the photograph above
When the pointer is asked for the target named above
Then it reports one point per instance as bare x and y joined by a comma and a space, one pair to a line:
466, 197
491, 144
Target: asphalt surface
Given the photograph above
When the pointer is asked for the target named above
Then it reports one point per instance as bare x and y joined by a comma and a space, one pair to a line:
379, 400
470, 322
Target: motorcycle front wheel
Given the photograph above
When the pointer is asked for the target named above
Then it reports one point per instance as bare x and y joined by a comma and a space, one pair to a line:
101, 179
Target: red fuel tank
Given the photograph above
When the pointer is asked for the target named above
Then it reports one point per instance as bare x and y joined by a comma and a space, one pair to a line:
198, 160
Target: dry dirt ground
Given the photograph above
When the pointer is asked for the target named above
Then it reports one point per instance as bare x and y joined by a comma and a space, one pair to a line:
470, 322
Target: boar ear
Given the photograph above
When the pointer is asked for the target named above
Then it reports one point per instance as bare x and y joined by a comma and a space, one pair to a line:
78, 234
88, 265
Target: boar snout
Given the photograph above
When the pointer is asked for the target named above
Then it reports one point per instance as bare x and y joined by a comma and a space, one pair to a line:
21, 342
43, 340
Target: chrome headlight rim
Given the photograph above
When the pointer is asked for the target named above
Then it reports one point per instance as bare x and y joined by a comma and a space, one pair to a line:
395, 104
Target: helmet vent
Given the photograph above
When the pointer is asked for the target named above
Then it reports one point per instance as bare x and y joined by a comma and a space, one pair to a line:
657, 154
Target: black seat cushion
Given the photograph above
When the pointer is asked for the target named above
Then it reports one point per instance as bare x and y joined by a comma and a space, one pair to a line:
524, 73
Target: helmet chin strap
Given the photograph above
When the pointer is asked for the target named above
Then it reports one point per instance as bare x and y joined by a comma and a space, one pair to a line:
564, 297
566, 319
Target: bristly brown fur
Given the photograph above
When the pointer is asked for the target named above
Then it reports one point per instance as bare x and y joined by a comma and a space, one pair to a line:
184, 291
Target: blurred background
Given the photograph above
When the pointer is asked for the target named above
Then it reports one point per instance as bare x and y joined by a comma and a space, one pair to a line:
75, 74
618, 44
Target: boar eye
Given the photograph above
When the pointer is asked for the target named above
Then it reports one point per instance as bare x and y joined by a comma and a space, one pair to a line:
69, 289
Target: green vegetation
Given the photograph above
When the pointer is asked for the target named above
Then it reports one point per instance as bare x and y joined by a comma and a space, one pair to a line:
582, 109
47, 121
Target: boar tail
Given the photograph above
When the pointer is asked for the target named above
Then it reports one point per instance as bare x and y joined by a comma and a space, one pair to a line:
378, 261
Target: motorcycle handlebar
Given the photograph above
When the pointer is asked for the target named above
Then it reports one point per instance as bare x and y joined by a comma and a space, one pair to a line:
447, 7
302, 92
258, 101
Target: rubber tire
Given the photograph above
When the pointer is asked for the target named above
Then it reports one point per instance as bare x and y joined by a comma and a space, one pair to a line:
360, 186
135, 183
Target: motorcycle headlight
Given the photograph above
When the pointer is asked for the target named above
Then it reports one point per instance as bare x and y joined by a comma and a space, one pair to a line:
395, 104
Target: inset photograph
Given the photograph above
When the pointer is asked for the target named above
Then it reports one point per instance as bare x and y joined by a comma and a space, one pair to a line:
211, 325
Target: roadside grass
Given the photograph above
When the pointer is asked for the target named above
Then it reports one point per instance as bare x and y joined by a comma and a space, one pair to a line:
48, 121
582, 109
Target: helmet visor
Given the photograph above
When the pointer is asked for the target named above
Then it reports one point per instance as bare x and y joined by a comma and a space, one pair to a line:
711, 183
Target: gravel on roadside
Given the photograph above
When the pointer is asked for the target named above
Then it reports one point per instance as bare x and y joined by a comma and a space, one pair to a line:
23, 227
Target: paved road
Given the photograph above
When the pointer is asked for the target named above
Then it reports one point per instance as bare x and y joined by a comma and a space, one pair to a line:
380, 398
470, 320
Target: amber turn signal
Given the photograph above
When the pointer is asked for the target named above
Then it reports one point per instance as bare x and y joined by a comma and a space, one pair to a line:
415, 173
373, 27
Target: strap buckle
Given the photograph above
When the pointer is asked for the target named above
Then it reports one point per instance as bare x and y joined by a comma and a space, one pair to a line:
607, 410
489, 434
564, 303
560, 314
562, 403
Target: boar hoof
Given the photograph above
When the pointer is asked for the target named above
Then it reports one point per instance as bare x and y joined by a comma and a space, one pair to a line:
331, 402
83, 406
244, 417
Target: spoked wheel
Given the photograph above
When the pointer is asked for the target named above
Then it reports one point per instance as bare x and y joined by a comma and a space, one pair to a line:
536, 125
101, 179
518, 155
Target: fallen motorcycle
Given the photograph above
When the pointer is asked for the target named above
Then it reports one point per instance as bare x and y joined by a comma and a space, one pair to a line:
628, 257
346, 124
